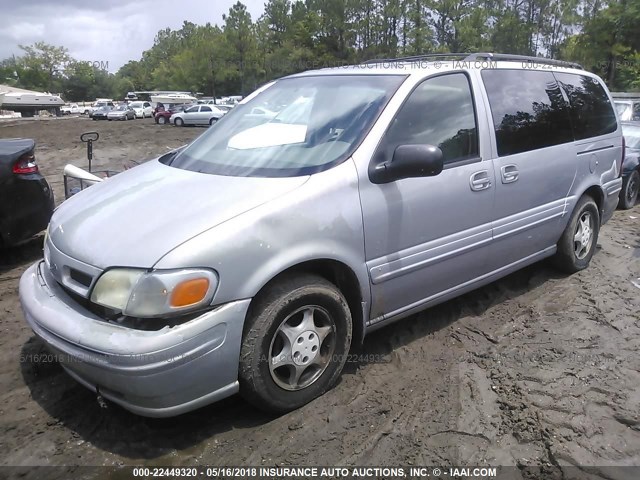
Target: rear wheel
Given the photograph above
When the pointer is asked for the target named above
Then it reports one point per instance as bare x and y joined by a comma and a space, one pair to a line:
578, 242
295, 343
161, 120
629, 193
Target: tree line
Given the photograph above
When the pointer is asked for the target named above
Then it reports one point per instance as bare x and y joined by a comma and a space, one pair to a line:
240, 54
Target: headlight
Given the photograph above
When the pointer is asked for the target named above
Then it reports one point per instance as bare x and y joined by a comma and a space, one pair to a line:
139, 293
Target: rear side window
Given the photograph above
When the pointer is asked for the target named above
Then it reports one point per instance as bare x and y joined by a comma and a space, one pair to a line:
528, 110
591, 111
438, 112
205, 109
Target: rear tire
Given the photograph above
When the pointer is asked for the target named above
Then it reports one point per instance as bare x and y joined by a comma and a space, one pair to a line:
161, 120
304, 323
578, 242
629, 192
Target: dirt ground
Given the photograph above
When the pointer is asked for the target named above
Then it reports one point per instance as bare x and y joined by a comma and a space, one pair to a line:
536, 369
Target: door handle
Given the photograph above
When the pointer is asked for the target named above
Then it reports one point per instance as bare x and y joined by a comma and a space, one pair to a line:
509, 173
480, 181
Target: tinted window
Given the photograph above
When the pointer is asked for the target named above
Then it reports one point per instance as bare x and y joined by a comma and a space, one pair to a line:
205, 109
528, 110
192, 110
591, 111
438, 112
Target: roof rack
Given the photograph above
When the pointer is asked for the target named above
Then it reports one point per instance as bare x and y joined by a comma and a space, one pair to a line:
523, 58
415, 58
468, 57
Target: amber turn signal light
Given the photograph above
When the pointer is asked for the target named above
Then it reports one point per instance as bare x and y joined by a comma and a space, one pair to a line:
189, 292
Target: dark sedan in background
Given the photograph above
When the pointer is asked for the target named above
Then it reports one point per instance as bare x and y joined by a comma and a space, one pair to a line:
26, 200
101, 113
631, 165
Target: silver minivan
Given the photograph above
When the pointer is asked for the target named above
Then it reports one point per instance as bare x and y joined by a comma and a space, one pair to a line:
328, 204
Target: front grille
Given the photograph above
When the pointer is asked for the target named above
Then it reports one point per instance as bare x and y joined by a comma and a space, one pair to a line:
80, 277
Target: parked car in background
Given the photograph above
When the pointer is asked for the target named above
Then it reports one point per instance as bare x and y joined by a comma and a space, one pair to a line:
121, 112
73, 109
631, 165
197, 115
142, 109
101, 102
101, 113
163, 114
628, 110
26, 200
225, 108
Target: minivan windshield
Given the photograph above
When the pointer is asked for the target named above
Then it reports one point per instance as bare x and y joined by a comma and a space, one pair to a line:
296, 126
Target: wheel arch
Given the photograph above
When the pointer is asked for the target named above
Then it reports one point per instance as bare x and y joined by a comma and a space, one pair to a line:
596, 192
342, 276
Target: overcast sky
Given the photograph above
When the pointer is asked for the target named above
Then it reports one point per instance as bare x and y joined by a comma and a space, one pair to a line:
113, 31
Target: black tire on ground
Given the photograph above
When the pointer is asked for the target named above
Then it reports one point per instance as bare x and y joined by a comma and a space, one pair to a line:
629, 192
212, 121
574, 248
285, 303
161, 120
179, 122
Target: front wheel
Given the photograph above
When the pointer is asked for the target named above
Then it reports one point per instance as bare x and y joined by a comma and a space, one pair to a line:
161, 120
212, 121
578, 242
178, 122
295, 343
629, 192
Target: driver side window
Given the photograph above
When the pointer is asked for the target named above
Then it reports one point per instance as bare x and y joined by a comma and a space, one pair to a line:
438, 112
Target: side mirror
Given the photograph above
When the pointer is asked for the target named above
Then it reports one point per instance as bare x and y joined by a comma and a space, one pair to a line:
409, 161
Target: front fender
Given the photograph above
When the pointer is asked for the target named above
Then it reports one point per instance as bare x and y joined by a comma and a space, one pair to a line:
319, 220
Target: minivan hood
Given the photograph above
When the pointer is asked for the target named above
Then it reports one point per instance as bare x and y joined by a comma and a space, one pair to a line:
136, 217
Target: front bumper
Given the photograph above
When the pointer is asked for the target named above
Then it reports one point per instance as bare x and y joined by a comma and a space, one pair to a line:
152, 373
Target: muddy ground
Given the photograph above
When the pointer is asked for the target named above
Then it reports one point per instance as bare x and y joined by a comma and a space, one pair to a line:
536, 369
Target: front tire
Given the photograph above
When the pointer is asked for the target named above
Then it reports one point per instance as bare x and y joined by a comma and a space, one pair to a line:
629, 192
161, 120
295, 343
578, 242
178, 122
